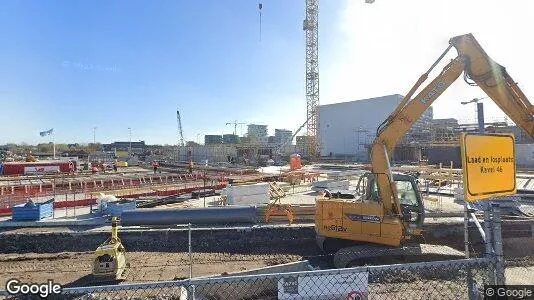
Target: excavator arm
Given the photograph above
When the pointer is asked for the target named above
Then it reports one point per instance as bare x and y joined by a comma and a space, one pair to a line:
477, 67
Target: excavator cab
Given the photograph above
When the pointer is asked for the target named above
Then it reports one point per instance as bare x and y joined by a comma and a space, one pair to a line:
408, 192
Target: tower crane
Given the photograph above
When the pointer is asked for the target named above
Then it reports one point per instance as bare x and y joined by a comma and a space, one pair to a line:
235, 123
310, 26
180, 132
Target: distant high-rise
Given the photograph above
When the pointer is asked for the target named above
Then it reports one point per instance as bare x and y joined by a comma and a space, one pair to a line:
257, 132
230, 139
210, 139
283, 135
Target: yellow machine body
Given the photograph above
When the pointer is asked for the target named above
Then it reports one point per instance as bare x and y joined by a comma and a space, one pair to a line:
110, 257
332, 220
364, 219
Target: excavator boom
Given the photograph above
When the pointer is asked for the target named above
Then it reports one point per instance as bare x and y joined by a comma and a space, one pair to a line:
478, 67
495, 81
389, 210
400, 122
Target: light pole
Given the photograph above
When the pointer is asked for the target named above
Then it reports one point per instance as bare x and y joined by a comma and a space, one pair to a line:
480, 112
130, 147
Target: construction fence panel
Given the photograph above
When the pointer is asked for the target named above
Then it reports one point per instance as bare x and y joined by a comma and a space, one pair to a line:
191, 266
455, 279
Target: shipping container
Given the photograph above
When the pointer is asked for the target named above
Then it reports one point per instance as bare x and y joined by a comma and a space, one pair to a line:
33, 211
41, 167
444, 155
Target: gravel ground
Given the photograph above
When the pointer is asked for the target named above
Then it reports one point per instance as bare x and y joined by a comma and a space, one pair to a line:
71, 268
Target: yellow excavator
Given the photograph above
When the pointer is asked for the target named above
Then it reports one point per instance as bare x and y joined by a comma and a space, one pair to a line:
385, 218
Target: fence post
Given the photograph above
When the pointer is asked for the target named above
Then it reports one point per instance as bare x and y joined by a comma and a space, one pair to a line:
497, 235
470, 284
191, 287
466, 230
489, 241
190, 252
90, 202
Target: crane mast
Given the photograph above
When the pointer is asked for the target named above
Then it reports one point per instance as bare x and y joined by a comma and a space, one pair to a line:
311, 28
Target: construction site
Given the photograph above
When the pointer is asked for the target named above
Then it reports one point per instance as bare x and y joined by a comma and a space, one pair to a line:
367, 199
271, 226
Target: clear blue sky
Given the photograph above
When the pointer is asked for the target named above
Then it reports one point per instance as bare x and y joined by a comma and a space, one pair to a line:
73, 65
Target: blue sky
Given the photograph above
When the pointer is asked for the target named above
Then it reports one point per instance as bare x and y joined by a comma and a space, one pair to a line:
74, 65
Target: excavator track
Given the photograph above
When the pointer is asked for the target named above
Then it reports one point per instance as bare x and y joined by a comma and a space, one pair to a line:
361, 255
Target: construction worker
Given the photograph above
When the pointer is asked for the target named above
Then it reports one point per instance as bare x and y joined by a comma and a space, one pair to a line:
71, 167
115, 166
190, 167
155, 166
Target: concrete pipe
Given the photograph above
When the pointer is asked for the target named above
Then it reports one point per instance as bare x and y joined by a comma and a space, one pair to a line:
209, 215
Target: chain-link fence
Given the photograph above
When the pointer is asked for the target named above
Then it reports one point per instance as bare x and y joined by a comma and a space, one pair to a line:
455, 279
262, 263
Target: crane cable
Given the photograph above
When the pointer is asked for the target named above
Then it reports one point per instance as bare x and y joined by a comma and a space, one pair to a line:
260, 6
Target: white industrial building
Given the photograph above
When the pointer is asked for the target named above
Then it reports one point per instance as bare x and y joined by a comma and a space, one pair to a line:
346, 128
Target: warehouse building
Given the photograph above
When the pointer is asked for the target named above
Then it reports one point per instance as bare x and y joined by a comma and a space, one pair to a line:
346, 129
137, 147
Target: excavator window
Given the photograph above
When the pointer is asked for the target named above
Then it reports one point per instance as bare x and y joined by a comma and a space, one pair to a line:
374, 195
406, 193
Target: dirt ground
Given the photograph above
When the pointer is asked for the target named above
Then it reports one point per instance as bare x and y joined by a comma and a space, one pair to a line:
72, 268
